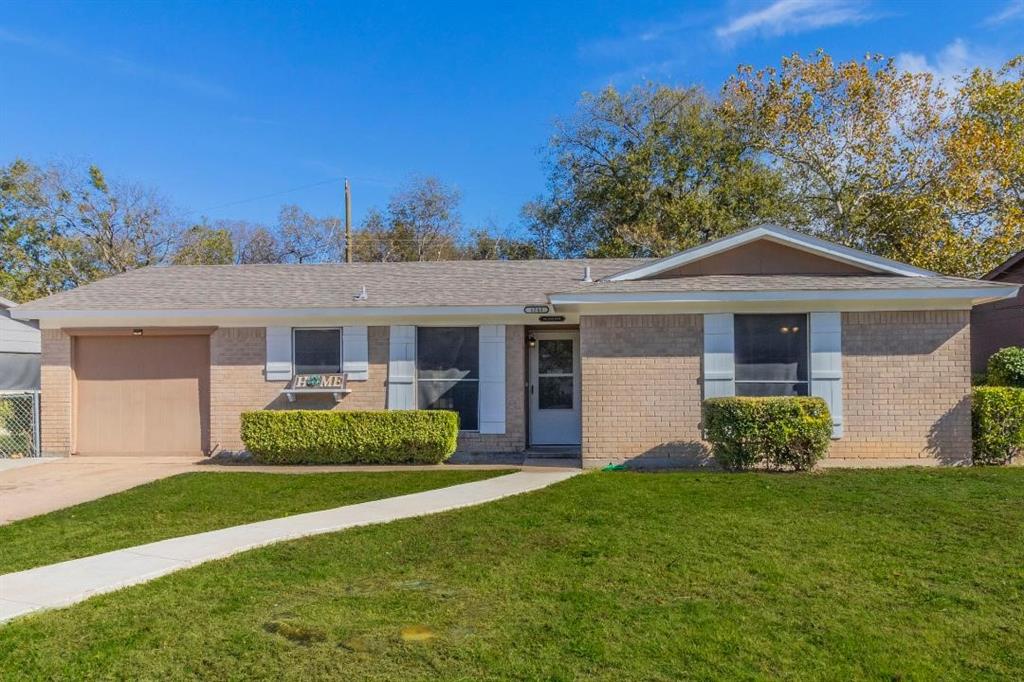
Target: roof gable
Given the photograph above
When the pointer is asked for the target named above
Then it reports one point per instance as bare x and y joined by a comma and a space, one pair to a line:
736, 255
1011, 268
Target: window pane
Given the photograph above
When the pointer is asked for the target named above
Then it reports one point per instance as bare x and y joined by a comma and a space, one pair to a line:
760, 390
554, 356
554, 393
771, 347
459, 396
317, 351
448, 352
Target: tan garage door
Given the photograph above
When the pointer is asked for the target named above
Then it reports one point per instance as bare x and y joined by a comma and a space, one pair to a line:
142, 394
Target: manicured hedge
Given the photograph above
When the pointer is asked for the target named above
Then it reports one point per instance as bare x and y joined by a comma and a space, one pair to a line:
777, 432
997, 423
1006, 367
328, 437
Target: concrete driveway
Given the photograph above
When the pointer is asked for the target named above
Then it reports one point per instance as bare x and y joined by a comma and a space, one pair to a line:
31, 487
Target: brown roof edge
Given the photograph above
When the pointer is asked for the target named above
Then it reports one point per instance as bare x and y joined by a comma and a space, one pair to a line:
1004, 266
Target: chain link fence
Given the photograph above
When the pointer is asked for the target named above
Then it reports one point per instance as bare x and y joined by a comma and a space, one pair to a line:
19, 424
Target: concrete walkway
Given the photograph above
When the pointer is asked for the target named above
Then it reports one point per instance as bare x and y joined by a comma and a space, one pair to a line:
73, 581
27, 490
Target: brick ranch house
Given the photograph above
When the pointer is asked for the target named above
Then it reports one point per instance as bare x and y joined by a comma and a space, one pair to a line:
609, 357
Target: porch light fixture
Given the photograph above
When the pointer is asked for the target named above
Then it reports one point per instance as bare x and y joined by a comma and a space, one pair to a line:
532, 341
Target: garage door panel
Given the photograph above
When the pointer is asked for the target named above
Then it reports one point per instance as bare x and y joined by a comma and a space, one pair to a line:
142, 394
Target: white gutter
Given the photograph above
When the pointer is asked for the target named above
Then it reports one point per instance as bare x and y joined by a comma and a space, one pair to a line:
973, 296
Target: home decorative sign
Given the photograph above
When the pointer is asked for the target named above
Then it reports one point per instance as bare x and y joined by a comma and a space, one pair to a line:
317, 383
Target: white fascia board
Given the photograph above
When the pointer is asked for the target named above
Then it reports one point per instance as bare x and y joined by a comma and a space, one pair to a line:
779, 235
259, 317
967, 296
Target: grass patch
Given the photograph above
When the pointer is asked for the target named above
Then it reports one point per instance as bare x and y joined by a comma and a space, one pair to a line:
196, 502
905, 574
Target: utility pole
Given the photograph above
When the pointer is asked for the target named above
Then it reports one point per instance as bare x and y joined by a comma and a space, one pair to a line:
348, 222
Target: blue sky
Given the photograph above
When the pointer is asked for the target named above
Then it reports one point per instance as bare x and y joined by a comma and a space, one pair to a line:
226, 107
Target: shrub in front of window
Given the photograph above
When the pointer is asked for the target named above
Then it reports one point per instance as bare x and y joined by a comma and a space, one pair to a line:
997, 423
1006, 367
328, 437
776, 432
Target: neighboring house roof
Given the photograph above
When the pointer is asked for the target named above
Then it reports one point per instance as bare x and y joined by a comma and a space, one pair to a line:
1007, 264
207, 291
7, 303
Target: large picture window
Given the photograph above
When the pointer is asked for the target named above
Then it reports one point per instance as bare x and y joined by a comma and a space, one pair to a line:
317, 351
771, 355
448, 371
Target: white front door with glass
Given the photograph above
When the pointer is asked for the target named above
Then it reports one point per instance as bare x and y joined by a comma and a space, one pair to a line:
555, 388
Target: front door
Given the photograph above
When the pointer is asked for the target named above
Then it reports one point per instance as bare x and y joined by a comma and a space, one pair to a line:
555, 388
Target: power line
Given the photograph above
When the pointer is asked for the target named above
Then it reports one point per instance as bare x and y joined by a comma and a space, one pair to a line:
270, 195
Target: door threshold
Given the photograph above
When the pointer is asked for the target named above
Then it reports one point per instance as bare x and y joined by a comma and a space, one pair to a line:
554, 451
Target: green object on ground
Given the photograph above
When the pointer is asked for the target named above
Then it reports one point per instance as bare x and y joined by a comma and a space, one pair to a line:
701, 575
350, 437
781, 432
997, 423
613, 467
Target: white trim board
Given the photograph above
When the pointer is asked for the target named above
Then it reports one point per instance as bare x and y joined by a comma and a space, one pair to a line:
295, 317
966, 296
779, 235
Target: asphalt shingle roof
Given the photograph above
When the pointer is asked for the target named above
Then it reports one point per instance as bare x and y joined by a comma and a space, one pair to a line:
331, 285
446, 283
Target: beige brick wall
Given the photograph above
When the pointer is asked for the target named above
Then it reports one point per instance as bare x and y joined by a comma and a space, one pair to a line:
641, 389
57, 396
906, 387
237, 384
514, 438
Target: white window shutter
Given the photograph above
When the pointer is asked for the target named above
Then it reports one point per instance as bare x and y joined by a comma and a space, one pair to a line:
719, 361
279, 354
355, 351
827, 364
492, 378
402, 368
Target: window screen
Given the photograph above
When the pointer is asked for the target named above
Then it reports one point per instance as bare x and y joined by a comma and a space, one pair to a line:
317, 351
771, 355
448, 371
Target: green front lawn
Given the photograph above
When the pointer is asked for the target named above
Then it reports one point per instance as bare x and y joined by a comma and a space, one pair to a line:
907, 574
197, 502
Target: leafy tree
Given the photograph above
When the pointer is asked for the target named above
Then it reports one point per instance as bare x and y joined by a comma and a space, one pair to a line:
28, 269
120, 226
304, 238
490, 245
63, 228
649, 172
986, 164
204, 245
255, 244
422, 222
865, 152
